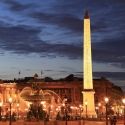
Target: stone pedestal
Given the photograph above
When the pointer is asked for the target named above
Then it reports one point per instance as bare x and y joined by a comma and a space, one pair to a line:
89, 105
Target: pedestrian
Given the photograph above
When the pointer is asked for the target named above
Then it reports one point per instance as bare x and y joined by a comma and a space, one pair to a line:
114, 120
111, 120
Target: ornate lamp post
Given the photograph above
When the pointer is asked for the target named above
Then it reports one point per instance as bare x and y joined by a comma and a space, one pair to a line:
99, 106
71, 107
1, 110
80, 107
97, 110
17, 110
66, 110
86, 103
123, 101
10, 104
106, 106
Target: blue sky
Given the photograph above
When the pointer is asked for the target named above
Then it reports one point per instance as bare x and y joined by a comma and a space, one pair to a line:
48, 36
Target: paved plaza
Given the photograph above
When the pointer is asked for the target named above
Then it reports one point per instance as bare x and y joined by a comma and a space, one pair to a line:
119, 122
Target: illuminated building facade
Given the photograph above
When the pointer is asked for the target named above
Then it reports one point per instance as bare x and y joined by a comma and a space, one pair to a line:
8, 90
64, 88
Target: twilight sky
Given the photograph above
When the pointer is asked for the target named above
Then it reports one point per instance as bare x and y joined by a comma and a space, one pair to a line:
47, 35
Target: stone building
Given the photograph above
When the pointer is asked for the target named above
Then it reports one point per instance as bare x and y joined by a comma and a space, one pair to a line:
70, 88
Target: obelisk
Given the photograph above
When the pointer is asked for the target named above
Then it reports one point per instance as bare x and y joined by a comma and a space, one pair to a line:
88, 92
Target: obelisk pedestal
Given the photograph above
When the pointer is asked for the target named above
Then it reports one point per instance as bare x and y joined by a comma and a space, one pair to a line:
88, 92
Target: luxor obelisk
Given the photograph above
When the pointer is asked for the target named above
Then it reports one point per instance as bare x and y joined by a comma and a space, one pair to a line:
88, 92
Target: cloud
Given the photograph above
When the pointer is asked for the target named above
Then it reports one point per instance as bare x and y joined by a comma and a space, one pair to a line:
110, 51
107, 19
15, 5
110, 75
67, 21
24, 40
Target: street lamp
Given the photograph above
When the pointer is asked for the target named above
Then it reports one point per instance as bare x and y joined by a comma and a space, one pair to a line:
97, 108
66, 111
80, 107
1, 110
18, 110
99, 105
86, 103
123, 100
106, 115
10, 103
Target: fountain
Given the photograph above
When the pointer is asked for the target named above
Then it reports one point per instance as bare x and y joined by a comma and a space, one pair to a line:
42, 103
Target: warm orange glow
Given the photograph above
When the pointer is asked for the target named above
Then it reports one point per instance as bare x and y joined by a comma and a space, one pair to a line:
10, 100
1, 104
112, 108
80, 106
96, 107
18, 105
86, 103
123, 100
106, 99
28, 104
42, 102
99, 104
63, 104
